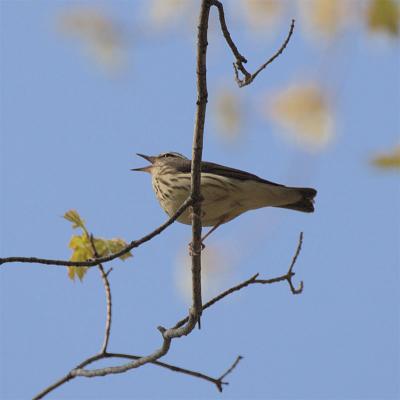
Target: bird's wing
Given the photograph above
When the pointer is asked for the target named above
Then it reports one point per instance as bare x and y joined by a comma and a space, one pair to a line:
221, 170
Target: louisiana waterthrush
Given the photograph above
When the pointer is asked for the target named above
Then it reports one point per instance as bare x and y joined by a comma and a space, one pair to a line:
227, 192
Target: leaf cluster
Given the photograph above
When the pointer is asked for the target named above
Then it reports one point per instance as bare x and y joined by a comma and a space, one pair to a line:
86, 247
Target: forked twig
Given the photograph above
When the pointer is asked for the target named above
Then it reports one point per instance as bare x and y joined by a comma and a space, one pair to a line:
217, 381
240, 59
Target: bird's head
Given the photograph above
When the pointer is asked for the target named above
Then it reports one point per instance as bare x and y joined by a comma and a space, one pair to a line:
170, 159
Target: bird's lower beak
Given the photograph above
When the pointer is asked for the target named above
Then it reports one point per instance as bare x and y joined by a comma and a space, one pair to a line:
147, 168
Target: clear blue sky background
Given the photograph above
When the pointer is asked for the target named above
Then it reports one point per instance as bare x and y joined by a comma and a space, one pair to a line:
69, 134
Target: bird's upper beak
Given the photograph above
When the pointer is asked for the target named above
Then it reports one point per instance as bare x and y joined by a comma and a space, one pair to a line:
147, 168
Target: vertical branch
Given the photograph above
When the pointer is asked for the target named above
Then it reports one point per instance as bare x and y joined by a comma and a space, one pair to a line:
195, 194
104, 277
107, 289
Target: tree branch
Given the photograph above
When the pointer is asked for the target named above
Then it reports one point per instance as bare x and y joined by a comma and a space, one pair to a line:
240, 60
104, 277
79, 371
195, 202
197, 149
91, 263
218, 382
186, 325
254, 280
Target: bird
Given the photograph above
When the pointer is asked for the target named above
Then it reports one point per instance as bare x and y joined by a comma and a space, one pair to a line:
226, 192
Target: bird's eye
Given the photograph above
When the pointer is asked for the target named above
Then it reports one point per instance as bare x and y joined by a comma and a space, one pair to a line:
170, 155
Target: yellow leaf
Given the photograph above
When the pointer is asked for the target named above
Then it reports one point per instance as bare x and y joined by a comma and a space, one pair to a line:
262, 14
81, 251
116, 245
216, 267
383, 15
77, 271
228, 113
74, 217
304, 112
98, 32
167, 12
82, 246
325, 18
389, 160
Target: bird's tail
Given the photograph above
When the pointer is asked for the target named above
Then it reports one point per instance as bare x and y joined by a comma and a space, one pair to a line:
306, 203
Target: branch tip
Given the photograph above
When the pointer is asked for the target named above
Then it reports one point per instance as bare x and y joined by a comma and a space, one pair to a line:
240, 59
161, 329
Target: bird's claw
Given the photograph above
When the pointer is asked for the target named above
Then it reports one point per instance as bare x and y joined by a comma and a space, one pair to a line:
192, 252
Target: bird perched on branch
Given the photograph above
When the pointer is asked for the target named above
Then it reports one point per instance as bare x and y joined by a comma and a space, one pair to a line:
227, 192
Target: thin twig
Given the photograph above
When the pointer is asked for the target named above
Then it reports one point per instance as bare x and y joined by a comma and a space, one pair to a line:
91, 263
218, 382
240, 60
254, 280
195, 202
276, 55
53, 386
104, 277
185, 326
197, 149
291, 274
230, 369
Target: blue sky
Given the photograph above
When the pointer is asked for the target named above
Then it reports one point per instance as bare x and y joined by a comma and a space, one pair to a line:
69, 133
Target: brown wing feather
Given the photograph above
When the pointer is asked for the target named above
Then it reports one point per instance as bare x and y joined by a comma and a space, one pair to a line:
217, 169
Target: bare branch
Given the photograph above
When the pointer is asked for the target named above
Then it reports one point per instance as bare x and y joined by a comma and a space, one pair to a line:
79, 371
197, 149
195, 202
53, 386
254, 280
91, 263
218, 382
104, 277
276, 55
240, 60
228, 371
185, 326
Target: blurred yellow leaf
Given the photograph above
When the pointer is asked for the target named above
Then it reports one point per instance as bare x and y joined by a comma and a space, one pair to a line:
228, 113
303, 111
82, 247
389, 160
98, 32
262, 14
324, 18
384, 15
167, 12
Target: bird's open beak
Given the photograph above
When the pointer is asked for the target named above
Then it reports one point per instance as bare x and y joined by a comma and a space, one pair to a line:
149, 167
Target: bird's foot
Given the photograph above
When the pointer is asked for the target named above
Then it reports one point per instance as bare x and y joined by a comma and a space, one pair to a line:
191, 250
